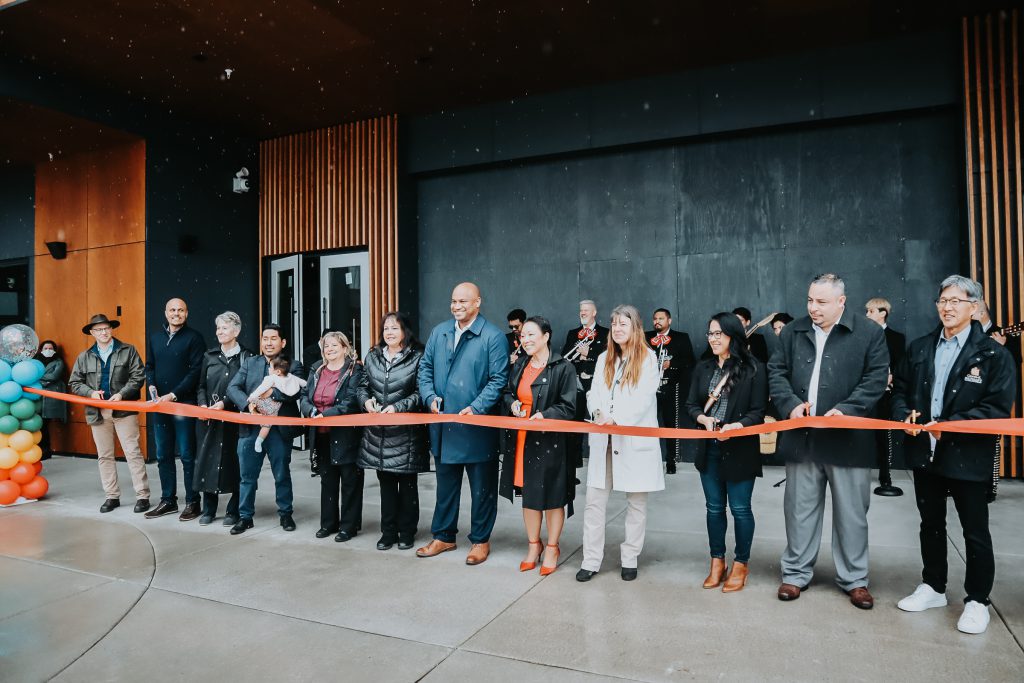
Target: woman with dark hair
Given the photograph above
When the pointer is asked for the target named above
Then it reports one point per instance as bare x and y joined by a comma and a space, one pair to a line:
623, 392
537, 465
53, 379
397, 453
728, 391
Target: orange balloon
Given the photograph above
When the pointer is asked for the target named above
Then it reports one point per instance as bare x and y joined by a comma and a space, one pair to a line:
32, 454
36, 488
21, 440
38, 465
22, 473
8, 458
4, 474
9, 492
37, 436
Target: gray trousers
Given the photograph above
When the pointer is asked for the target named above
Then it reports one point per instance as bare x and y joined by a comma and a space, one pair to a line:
804, 506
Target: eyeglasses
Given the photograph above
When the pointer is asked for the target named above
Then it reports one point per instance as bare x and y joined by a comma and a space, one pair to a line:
954, 302
100, 329
715, 335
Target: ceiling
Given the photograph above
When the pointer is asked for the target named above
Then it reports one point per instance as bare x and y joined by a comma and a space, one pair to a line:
302, 64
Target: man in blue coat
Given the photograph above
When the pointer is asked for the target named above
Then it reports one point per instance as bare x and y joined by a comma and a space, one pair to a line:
464, 370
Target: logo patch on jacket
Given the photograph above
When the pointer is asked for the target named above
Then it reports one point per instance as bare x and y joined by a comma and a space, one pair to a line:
974, 376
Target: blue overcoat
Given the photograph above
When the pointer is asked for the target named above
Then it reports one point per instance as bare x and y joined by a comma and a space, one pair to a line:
472, 374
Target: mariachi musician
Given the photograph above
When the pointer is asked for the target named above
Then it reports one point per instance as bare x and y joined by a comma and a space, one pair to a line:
582, 346
516, 317
675, 363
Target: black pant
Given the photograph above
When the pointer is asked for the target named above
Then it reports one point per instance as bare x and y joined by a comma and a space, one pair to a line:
399, 506
668, 416
210, 501
970, 499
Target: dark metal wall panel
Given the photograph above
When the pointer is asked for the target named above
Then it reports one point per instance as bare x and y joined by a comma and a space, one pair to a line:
17, 212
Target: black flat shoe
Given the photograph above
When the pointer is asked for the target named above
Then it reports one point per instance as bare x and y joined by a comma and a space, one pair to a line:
406, 545
287, 523
343, 536
141, 505
385, 544
109, 504
324, 533
241, 526
585, 575
629, 573
230, 520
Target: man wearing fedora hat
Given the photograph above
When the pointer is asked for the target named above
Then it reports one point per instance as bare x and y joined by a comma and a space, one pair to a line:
112, 370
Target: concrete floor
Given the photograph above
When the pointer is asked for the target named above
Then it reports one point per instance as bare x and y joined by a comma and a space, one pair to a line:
114, 597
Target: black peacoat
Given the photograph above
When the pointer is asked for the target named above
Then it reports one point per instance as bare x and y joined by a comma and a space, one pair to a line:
748, 400
344, 440
216, 469
401, 449
981, 386
54, 379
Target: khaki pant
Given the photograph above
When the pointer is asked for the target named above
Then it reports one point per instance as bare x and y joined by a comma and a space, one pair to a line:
127, 429
595, 519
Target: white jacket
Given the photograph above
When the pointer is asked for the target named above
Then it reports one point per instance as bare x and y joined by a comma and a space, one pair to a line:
290, 385
636, 460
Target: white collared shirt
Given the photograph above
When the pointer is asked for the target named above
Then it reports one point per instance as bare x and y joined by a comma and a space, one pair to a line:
820, 337
459, 332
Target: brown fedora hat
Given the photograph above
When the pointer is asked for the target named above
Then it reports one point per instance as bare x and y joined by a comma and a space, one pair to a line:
100, 318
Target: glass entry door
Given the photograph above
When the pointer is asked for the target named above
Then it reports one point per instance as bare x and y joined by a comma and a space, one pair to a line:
345, 297
285, 301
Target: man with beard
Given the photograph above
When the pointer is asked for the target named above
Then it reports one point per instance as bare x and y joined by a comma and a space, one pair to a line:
675, 354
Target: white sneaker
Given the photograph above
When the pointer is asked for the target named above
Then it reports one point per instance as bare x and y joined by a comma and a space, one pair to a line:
974, 619
921, 599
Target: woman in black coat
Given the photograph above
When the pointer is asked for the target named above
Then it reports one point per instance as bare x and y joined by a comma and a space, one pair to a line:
331, 390
216, 469
54, 378
397, 453
728, 391
538, 465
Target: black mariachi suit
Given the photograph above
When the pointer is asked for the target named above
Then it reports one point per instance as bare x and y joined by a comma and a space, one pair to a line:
674, 382
585, 373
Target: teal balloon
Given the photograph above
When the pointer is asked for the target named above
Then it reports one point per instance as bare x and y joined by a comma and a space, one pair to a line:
32, 424
33, 397
9, 424
23, 408
10, 391
27, 371
5, 370
5, 408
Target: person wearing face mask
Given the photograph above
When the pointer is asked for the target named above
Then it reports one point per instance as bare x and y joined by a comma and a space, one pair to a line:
624, 392
831, 362
397, 453
537, 465
53, 379
582, 346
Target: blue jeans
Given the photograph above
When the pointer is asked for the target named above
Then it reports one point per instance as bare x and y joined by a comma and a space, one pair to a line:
718, 492
279, 450
174, 434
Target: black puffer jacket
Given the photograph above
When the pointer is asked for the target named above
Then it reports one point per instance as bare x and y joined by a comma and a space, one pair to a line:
393, 449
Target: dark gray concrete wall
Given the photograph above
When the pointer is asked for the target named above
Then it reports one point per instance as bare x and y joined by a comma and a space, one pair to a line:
704, 226
17, 212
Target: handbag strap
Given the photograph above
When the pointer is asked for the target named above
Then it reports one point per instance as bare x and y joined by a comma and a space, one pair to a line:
716, 393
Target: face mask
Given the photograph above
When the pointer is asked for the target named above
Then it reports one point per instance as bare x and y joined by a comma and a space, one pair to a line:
48, 353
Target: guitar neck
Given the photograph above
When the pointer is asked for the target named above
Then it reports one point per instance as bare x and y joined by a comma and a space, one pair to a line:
1014, 330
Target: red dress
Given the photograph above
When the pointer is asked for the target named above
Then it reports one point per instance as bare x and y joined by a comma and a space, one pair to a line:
525, 397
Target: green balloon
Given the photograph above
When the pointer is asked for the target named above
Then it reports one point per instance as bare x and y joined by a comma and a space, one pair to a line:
9, 424
32, 424
23, 408
5, 408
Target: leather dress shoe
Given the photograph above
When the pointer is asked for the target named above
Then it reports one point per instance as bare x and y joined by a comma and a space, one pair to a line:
861, 598
585, 575
109, 504
287, 523
190, 512
141, 505
385, 543
230, 520
478, 554
344, 536
205, 519
435, 547
164, 508
323, 532
788, 591
241, 526
406, 544
629, 573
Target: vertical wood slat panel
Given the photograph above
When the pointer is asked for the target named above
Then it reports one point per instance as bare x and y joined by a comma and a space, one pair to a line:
335, 188
1015, 59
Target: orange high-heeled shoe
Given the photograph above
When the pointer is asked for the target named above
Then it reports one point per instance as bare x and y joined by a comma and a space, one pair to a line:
544, 571
527, 566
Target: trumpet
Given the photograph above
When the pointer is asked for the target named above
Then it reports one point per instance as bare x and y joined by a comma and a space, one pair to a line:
519, 349
661, 341
585, 336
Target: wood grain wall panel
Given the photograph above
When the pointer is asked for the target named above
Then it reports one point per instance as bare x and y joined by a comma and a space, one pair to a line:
117, 195
62, 203
992, 126
335, 188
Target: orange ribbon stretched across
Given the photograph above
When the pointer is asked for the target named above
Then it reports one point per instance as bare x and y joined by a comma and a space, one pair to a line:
1009, 427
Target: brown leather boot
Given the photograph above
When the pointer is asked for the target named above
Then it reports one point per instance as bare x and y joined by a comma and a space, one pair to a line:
714, 579
737, 577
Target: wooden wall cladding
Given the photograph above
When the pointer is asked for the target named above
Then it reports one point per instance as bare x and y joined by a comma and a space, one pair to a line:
992, 64
96, 203
335, 188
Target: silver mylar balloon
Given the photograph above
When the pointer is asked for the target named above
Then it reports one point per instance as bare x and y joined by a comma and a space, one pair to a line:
17, 343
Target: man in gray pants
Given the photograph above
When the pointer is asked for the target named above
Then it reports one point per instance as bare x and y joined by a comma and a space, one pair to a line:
832, 362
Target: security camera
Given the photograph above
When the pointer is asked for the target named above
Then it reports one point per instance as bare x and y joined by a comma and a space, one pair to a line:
240, 183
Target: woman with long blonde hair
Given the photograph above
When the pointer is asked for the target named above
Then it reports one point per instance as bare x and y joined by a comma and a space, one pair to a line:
624, 392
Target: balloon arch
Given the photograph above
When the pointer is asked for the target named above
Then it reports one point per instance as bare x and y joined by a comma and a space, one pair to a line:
20, 422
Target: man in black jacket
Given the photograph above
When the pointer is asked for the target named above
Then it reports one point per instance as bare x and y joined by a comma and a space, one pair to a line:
582, 346
174, 359
956, 372
516, 317
879, 310
833, 362
676, 354
278, 444
755, 342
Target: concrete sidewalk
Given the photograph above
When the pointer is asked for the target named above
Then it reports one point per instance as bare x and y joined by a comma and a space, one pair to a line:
89, 597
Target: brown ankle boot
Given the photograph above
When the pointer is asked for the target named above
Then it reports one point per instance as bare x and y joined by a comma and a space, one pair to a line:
714, 579
737, 577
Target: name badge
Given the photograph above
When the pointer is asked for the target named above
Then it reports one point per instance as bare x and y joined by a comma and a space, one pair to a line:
974, 376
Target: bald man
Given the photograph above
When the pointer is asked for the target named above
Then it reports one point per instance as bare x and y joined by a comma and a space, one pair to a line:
464, 371
174, 357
